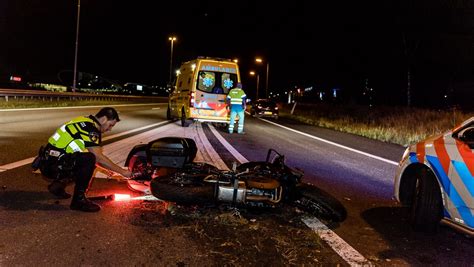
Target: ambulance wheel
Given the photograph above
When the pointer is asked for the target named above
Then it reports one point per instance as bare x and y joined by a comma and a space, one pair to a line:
183, 189
427, 206
168, 113
184, 122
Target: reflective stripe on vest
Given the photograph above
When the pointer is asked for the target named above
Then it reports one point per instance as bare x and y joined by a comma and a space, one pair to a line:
236, 96
62, 138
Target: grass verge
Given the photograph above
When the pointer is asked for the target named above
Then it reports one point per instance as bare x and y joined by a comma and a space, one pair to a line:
402, 126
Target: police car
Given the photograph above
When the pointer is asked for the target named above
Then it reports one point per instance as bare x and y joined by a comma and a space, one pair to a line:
435, 179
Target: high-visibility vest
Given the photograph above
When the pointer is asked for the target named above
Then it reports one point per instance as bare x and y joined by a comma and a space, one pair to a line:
236, 96
76, 135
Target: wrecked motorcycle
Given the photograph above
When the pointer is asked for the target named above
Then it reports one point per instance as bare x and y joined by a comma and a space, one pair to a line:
168, 172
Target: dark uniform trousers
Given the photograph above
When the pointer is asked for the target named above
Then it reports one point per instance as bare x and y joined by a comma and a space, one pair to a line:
75, 167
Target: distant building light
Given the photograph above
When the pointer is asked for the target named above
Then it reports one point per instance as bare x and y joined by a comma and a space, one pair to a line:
308, 89
15, 78
139, 88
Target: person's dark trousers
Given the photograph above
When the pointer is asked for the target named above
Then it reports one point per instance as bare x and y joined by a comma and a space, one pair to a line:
83, 171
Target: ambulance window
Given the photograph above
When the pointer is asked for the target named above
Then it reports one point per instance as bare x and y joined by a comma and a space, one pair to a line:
228, 81
206, 81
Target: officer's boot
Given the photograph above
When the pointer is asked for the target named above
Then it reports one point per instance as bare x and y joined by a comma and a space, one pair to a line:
57, 188
79, 200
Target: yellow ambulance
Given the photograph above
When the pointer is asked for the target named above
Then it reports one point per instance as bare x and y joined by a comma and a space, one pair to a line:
201, 89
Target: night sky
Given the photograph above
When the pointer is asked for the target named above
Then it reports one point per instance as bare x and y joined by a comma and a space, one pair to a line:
325, 44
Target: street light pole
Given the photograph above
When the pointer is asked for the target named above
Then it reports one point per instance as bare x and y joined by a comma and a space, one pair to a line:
172, 39
266, 82
259, 60
77, 46
253, 73
258, 81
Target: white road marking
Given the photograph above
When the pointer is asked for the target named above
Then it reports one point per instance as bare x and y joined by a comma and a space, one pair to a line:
333, 143
134, 130
20, 163
226, 144
218, 162
348, 253
79, 107
17, 164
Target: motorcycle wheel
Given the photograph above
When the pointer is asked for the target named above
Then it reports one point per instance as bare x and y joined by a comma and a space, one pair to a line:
185, 187
319, 203
138, 164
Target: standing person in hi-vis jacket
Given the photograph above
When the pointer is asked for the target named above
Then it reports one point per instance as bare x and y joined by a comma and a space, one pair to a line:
236, 101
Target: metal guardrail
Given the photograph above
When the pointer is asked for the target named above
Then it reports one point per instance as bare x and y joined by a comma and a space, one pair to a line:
18, 94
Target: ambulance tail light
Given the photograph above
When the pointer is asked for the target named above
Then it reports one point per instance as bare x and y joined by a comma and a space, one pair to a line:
191, 100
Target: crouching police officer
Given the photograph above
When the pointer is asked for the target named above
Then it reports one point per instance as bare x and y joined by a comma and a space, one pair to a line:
72, 153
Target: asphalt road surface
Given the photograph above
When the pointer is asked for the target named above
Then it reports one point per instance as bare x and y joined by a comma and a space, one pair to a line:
358, 172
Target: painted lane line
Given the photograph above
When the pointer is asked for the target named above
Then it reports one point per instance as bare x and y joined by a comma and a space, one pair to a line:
218, 162
135, 130
20, 163
79, 107
332, 143
17, 164
348, 253
228, 146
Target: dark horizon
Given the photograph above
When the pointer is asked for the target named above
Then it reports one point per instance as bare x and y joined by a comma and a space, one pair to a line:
326, 45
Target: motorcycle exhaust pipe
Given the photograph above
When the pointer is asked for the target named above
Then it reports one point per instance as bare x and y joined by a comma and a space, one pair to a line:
231, 194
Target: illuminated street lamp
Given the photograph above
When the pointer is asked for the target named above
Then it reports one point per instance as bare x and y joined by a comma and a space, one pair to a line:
258, 81
172, 39
259, 60
77, 45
